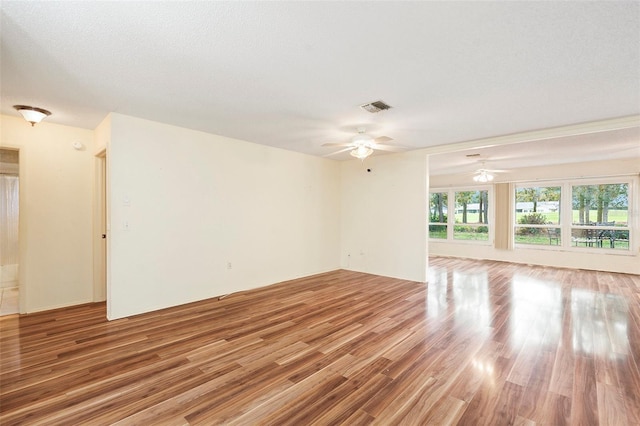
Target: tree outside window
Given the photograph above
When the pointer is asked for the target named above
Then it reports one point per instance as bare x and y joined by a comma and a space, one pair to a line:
438, 206
459, 215
537, 207
471, 215
600, 216
596, 215
593, 204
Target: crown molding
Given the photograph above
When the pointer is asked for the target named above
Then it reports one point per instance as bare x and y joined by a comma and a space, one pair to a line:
537, 135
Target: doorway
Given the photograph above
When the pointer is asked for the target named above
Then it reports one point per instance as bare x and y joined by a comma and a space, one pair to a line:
9, 221
100, 229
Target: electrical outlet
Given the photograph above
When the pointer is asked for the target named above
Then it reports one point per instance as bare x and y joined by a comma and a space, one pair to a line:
229, 266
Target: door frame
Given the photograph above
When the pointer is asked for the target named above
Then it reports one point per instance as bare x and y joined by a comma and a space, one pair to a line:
22, 227
100, 227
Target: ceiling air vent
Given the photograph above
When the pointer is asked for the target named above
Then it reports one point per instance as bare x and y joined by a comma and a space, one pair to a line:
376, 106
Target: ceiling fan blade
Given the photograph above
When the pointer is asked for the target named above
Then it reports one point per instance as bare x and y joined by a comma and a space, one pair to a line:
489, 171
382, 139
337, 144
338, 152
492, 171
391, 148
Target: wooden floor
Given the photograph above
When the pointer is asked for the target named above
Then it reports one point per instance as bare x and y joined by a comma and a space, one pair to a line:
484, 343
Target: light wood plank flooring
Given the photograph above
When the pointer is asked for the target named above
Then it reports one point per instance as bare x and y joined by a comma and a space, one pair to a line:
8, 301
484, 343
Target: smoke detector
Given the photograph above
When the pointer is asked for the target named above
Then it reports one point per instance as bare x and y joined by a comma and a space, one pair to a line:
376, 106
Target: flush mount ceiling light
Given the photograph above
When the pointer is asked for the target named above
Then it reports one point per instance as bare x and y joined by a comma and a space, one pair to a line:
32, 114
483, 176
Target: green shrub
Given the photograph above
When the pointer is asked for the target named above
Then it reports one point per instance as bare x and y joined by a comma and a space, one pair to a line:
534, 219
435, 218
471, 229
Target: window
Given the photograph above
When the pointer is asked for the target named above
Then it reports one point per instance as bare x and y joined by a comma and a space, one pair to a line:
538, 207
438, 215
459, 215
600, 216
576, 216
471, 214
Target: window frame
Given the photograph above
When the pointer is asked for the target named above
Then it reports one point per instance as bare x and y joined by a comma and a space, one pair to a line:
561, 217
628, 228
450, 223
445, 224
566, 225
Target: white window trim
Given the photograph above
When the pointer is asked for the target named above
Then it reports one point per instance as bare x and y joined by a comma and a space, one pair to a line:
451, 203
566, 216
516, 225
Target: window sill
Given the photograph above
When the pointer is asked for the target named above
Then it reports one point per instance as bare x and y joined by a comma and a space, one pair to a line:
572, 249
465, 242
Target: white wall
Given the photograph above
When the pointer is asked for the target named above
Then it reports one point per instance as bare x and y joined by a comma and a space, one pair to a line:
384, 219
55, 213
102, 135
197, 201
184, 204
628, 262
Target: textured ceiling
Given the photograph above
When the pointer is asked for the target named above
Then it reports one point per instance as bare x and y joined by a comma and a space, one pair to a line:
292, 74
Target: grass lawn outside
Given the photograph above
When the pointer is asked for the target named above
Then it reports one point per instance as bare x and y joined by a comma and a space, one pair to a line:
540, 240
476, 236
534, 239
479, 232
620, 217
544, 240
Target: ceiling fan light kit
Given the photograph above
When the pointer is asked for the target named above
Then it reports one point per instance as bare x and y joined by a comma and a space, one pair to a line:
362, 144
483, 177
32, 114
361, 152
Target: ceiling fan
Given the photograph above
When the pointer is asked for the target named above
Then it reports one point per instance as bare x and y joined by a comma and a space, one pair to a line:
484, 175
362, 145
